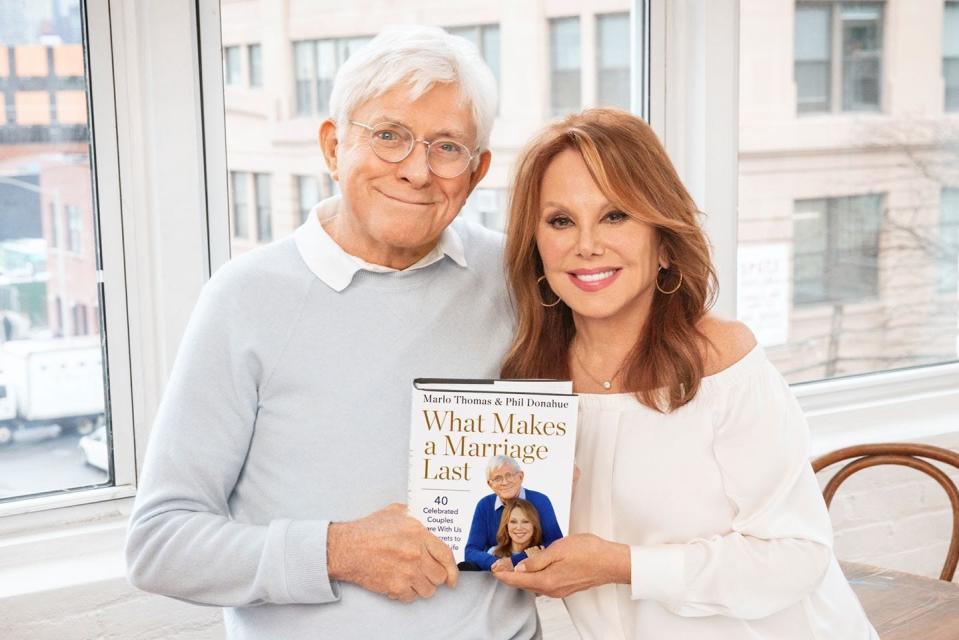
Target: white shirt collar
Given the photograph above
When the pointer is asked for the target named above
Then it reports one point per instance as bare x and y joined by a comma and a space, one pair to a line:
499, 503
334, 266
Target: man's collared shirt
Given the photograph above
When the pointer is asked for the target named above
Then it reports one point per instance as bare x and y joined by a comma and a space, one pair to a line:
499, 502
335, 267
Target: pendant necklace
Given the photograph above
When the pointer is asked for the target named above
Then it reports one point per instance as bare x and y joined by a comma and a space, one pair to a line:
605, 384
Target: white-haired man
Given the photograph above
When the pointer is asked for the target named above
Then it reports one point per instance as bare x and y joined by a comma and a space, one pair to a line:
282, 439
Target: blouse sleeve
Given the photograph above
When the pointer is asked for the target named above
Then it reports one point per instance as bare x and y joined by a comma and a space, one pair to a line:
780, 541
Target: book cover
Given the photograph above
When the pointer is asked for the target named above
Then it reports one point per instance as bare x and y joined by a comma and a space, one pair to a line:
491, 465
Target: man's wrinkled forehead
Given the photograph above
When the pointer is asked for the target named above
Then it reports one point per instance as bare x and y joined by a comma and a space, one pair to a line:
396, 105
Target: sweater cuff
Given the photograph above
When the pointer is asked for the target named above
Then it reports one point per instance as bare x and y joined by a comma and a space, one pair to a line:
657, 572
308, 581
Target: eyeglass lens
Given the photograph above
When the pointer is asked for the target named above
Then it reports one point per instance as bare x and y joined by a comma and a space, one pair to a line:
392, 143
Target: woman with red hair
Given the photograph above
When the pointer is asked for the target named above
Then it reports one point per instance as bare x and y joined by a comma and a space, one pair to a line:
697, 515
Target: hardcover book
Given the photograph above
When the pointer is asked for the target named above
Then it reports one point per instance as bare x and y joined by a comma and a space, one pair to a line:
491, 465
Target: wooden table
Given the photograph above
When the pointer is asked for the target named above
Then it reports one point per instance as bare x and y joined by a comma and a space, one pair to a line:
903, 605
900, 606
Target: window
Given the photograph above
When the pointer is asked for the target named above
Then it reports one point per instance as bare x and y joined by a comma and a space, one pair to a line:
838, 56
74, 230
486, 39
303, 72
231, 65
54, 227
836, 243
950, 55
51, 365
564, 66
315, 65
596, 66
948, 245
264, 225
844, 224
308, 193
80, 327
240, 204
612, 73
256, 65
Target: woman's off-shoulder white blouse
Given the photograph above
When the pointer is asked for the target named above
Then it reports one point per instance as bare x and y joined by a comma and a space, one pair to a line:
729, 535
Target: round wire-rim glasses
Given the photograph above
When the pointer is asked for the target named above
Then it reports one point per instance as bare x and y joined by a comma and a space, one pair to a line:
393, 143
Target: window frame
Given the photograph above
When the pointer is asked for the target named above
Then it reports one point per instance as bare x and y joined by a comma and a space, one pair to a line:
691, 104
112, 278
836, 98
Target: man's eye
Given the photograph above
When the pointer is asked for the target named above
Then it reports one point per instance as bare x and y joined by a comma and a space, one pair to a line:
386, 136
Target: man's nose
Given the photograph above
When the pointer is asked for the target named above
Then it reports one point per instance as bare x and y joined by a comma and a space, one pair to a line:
415, 168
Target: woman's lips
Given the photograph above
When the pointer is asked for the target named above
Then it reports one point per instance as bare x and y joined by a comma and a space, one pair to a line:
594, 279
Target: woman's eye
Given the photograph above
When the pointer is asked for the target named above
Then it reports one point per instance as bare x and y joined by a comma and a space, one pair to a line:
616, 216
559, 222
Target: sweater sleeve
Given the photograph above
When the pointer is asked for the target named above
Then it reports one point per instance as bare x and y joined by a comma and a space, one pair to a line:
780, 542
181, 540
476, 544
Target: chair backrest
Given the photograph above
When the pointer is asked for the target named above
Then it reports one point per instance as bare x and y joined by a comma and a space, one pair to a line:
908, 455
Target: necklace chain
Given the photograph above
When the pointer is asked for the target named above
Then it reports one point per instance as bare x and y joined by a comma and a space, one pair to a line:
605, 384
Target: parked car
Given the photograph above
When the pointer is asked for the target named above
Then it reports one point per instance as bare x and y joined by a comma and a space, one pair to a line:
96, 453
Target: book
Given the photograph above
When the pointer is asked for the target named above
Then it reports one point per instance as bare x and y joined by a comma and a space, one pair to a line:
480, 449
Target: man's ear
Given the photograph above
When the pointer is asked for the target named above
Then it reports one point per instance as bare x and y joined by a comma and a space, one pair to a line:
480, 172
329, 145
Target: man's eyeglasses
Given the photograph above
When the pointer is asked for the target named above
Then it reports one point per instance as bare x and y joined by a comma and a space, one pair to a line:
506, 477
393, 142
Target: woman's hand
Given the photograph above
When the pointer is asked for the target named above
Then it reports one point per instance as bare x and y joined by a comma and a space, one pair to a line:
569, 565
532, 551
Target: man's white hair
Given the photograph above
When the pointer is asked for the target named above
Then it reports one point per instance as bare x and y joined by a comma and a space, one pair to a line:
498, 461
420, 57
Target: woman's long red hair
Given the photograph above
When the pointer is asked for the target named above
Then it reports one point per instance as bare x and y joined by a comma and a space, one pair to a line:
632, 170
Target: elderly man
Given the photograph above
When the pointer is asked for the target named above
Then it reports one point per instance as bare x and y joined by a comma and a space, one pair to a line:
505, 477
283, 435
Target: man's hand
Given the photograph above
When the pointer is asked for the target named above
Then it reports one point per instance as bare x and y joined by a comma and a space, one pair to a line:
503, 564
569, 565
390, 552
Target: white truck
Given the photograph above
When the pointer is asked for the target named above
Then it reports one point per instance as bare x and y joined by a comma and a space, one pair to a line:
56, 381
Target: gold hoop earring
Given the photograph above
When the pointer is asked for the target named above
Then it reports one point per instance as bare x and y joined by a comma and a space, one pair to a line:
674, 289
539, 281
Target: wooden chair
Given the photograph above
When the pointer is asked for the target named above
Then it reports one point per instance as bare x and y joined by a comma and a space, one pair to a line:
908, 455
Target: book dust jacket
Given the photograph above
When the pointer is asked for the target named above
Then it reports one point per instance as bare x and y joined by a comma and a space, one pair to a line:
476, 446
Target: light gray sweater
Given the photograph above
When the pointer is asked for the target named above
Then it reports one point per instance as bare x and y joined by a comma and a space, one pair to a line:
288, 408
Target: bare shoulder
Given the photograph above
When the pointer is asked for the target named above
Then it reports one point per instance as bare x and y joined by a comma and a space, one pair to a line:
728, 342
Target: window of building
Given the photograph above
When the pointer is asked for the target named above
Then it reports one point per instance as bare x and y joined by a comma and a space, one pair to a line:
838, 56
240, 204
315, 65
231, 65
486, 39
564, 55
612, 60
54, 227
304, 65
948, 245
836, 249
80, 326
950, 55
308, 194
264, 222
74, 229
255, 55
